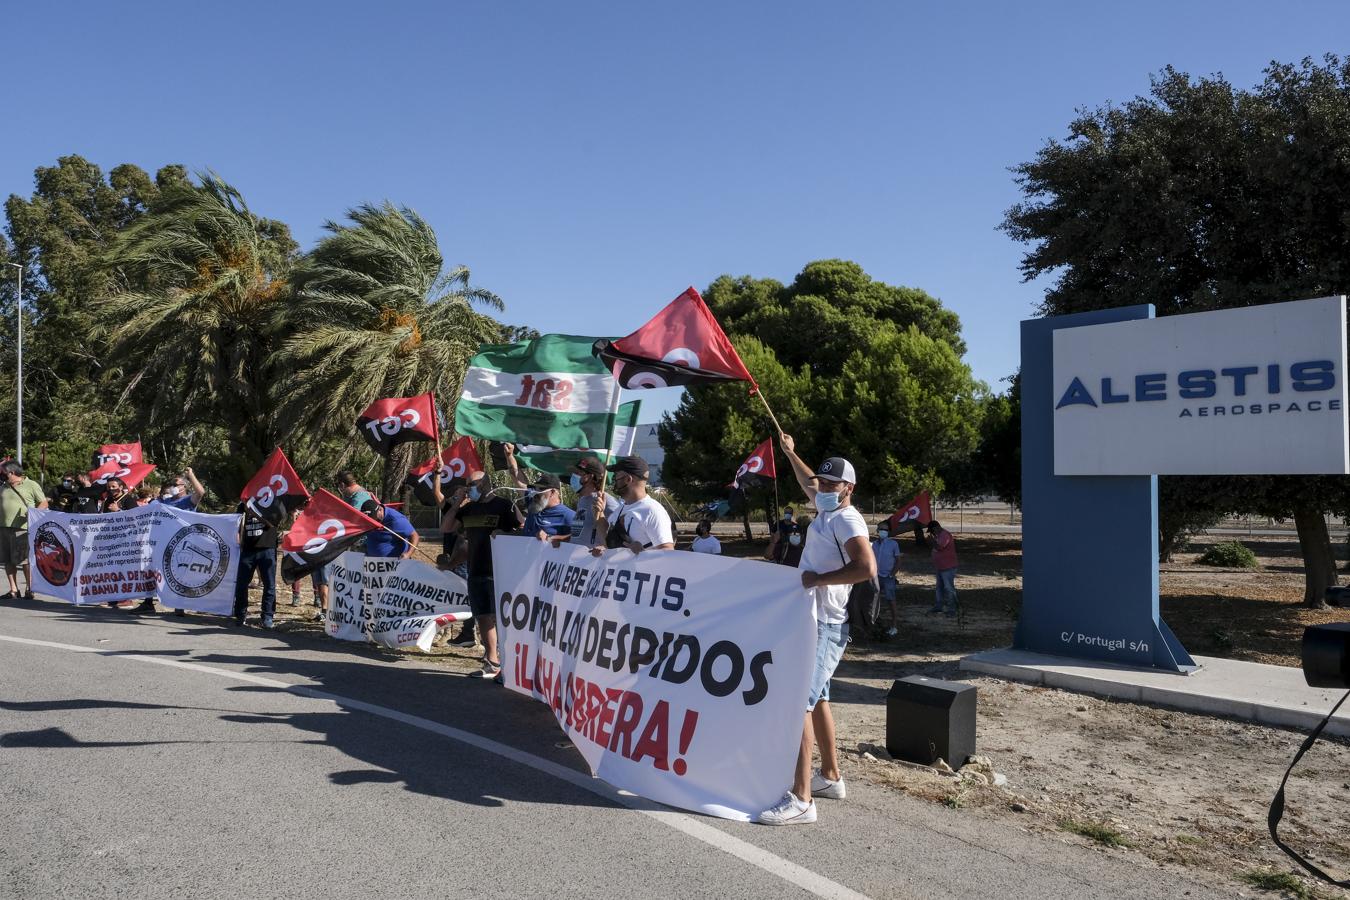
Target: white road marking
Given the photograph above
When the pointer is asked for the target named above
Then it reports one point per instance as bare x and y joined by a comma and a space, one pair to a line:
745, 851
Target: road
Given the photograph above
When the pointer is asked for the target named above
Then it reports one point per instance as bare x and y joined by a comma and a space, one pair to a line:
161, 757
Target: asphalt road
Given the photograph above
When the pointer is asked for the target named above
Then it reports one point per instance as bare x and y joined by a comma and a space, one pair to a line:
156, 757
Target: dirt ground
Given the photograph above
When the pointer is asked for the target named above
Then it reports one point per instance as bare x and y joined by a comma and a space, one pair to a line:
1181, 789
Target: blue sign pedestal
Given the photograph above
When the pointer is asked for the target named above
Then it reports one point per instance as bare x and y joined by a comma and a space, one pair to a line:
1089, 543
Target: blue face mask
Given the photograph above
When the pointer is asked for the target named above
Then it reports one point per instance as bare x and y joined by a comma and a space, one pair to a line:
575, 481
474, 493
827, 501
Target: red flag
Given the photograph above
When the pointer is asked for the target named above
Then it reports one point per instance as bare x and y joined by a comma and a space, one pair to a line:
275, 481
397, 420
326, 528
920, 510
131, 474
682, 344
758, 463
124, 454
458, 463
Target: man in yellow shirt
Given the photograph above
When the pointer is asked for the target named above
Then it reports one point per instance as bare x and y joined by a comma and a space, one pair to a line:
17, 495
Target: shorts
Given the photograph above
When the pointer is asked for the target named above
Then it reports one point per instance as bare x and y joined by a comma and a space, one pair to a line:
888, 588
319, 577
13, 546
831, 639
481, 599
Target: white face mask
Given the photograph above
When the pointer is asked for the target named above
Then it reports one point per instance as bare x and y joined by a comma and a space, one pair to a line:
795, 539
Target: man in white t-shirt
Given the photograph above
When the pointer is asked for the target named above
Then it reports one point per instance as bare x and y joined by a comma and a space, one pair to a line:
836, 557
640, 523
704, 542
593, 505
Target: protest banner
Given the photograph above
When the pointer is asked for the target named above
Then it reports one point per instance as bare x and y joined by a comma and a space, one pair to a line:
396, 603
678, 676
189, 560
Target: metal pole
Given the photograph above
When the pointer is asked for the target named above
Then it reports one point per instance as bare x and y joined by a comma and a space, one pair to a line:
18, 438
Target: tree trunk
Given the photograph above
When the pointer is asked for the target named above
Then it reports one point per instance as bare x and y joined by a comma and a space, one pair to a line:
1319, 563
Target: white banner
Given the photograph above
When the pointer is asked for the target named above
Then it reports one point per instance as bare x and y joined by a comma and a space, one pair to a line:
188, 560
397, 603
679, 676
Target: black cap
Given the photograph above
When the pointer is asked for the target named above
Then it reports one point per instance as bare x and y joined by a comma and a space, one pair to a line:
631, 465
591, 465
370, 507
545, 482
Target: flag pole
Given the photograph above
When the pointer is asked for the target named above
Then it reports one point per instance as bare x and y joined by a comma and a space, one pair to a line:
760, 394
416, 548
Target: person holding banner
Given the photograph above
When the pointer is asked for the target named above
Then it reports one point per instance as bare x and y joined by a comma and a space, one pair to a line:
593, 504
547, 518
837, 556
117, 498
641, 523
18, 494
175, 493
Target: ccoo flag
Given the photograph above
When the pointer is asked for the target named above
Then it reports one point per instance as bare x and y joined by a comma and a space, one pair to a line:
551, 391
457, 463
275, 489
759, 464
919, 510
397, 420
562, 462
681, 345
326, 528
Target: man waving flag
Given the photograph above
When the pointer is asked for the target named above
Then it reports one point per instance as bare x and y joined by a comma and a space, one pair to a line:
550, 391
458, 463
320, 534
681, 345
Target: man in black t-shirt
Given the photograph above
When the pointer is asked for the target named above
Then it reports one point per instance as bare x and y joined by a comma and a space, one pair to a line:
477, 515
257, 553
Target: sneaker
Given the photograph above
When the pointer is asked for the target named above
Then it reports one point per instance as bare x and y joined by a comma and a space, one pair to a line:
180, 613
238, 621
28, 595
789, 811
10, 596
267, 623
145, 606
320, 616
295, 599
891, 632
465, 636
498, 679
824, 787
488, 669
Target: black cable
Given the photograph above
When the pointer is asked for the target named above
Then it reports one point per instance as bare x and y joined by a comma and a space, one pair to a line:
1277, 805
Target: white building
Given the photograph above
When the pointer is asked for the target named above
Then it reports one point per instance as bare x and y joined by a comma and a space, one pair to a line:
649, 448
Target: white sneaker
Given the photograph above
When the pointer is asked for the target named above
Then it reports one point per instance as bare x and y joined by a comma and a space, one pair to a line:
891, 632
824, 787
789, 811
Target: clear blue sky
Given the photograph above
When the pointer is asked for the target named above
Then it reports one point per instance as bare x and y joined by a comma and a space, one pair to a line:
589, 161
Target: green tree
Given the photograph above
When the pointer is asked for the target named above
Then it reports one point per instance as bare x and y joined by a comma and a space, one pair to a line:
376, 313
196, 283
852, 367
1203, 196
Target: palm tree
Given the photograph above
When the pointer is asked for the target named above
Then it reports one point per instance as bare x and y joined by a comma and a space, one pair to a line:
197, 281
376, 314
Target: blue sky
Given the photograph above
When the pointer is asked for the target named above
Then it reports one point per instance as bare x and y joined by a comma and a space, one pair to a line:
589, 161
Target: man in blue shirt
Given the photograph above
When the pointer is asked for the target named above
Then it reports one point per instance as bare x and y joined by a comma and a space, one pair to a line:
547, 518
381, 542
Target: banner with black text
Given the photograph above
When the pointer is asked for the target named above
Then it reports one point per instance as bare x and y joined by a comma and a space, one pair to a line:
678, 676
396, 603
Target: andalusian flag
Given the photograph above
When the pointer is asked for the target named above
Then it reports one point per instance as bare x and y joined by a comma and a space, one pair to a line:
551, 391
561, 462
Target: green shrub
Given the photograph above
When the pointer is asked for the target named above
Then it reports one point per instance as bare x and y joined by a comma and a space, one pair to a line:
1230, 555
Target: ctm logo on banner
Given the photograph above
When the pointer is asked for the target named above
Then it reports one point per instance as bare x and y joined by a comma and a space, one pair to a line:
1111, 400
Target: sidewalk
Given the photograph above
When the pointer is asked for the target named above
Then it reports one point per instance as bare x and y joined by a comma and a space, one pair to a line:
1254, 692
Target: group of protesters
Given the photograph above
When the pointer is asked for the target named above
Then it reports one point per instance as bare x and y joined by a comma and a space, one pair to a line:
834, 552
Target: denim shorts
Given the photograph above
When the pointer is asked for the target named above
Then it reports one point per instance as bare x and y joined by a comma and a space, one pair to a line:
831, 639
319, 577
887, 587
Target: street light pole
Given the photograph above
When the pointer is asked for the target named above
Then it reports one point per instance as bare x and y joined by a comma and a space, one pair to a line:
18, 437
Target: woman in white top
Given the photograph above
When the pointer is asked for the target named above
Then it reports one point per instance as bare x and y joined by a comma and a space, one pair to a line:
705, 542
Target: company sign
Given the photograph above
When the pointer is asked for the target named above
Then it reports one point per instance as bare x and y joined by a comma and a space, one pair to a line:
1259, 390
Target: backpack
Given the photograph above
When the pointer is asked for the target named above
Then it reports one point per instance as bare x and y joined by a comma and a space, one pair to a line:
864, 601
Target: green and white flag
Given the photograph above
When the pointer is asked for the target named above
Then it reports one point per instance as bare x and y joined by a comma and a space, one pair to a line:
561, 462
551, 391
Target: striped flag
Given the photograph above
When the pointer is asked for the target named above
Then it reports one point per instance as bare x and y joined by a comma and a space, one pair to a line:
551, 391
561, 462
